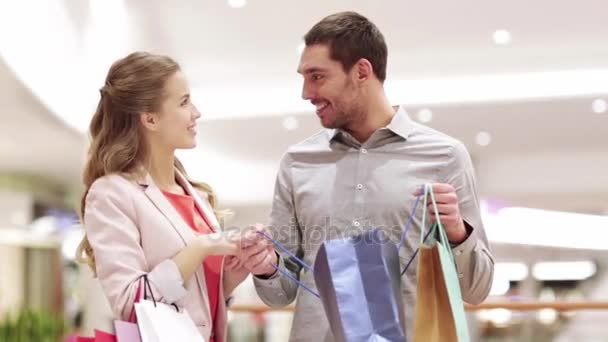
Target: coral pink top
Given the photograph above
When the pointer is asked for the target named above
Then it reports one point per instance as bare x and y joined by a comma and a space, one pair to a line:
212, 264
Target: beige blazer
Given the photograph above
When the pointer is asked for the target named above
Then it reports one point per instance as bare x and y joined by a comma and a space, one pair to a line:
134, 230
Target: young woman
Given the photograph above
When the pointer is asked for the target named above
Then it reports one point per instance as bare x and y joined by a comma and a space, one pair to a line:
143, 216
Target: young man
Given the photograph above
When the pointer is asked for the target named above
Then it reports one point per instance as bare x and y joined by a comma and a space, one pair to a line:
364, 171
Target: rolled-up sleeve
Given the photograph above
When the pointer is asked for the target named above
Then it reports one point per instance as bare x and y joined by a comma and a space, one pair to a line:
474, 261
120, 261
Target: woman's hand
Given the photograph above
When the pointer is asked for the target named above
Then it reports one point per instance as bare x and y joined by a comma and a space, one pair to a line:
223, 243
234, 273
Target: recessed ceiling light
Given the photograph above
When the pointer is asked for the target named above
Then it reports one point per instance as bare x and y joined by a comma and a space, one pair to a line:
483, 138
599, 106
290, 123
502, 37
237, 3
425, 115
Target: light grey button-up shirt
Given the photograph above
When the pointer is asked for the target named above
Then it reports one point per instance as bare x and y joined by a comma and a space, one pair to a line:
331, 186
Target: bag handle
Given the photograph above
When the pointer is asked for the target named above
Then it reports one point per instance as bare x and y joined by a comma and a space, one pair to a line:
427, 188
409, 222
443, 238
423, 237
148, 287
298, 260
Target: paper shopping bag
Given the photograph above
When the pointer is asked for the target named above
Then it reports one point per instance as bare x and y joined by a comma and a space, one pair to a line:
126, 331
159, 322
358, 280
440, 315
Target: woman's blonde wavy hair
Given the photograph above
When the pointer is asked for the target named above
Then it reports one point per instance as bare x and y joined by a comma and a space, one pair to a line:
134, 84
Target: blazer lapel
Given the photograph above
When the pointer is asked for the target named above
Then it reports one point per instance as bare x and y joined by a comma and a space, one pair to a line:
166, 208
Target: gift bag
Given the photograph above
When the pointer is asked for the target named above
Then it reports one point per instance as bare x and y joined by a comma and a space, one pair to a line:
159, 322
100, 336
440, 315
359, 284
126, 331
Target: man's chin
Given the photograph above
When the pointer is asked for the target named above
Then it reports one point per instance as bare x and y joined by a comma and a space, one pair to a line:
329, 125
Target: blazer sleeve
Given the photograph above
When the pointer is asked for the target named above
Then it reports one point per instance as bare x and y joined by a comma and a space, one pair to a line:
111, 226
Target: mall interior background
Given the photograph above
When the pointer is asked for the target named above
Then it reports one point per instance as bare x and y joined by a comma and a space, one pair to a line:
524, 84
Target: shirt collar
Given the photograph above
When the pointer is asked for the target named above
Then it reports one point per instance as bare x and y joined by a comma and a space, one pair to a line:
401, 124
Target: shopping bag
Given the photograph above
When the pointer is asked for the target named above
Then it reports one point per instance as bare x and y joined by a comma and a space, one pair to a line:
440, 315
358, 280
100, 336
359, 284
126, 331
159, 322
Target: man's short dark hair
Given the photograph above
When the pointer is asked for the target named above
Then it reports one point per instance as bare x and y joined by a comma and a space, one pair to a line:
350, 37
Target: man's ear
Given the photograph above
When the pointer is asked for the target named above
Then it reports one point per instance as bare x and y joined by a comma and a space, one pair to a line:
149, 121
364, 70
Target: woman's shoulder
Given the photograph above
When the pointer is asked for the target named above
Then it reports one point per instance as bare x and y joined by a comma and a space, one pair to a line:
114, 182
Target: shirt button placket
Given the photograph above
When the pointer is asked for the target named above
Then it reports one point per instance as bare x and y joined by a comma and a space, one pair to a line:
360, 187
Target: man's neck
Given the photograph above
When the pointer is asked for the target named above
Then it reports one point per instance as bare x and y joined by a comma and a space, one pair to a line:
378, 114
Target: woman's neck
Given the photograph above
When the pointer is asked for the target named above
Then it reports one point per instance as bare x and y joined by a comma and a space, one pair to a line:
162, 170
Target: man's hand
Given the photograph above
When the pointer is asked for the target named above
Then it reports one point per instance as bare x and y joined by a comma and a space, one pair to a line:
449, 211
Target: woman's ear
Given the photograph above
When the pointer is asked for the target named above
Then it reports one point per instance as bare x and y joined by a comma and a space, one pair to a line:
149, 121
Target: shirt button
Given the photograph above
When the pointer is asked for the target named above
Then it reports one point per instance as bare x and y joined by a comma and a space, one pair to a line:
359, 186
458, 251
364, 151
356, 223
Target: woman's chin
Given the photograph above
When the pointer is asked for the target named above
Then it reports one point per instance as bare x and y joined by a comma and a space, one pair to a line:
188, 145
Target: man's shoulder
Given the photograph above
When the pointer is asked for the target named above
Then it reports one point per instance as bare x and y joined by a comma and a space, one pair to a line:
427, 134
315, 143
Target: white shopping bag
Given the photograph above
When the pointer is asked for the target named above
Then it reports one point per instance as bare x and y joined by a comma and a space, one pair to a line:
159, 322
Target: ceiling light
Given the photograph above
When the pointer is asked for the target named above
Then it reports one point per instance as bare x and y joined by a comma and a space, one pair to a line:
539, 227
290, 123
483, 138
425, 115
563, 270
237, 3
500, 286
513, 271
599, 106
502, 37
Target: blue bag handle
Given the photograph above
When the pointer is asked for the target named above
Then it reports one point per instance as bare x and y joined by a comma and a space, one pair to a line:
298, 260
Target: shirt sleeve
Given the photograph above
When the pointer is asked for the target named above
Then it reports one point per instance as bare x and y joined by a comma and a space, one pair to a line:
474, 261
